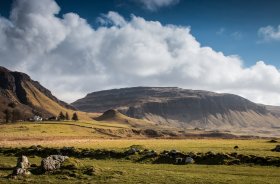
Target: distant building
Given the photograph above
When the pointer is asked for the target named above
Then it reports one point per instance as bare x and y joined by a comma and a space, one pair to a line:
37, 118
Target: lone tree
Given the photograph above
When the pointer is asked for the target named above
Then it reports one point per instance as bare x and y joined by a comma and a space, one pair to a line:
67, 116
61, 116
75, 117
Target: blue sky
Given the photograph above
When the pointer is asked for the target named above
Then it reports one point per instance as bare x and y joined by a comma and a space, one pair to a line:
77, 47
229, 26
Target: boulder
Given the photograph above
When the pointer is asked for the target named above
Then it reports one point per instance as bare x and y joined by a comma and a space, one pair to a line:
131, 151
178, 160
151, 153
52, 162
36, 147
21, 172
277, 148
189, 160
23, 163
22, 167
174, 151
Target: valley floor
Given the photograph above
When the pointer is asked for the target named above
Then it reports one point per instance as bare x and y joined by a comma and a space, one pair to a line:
84, 135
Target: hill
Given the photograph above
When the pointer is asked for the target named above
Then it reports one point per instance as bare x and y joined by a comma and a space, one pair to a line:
178, 107
114, 116
24, 98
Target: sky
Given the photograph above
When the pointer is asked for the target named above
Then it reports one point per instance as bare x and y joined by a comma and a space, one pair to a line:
77, 47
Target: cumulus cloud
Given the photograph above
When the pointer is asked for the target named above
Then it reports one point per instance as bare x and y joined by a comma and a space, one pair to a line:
269, 33
154, 5
71, 58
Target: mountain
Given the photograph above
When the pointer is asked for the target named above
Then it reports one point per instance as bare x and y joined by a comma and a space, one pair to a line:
178, 107
24, 97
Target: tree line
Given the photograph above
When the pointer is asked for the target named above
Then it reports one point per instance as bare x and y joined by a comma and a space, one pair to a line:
65, 116
12, 115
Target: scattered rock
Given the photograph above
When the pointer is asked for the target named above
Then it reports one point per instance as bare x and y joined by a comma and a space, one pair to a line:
189, 160
234, 162
277, 148
151, 153
36, 147
235, 147
131, 151
22, 167
178, 160
174, 153
186, 160
272, 141
52, 162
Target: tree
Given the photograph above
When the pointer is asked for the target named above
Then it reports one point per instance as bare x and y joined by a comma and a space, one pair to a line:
8, 115
67, 116
61, 116
16, 115
75, 117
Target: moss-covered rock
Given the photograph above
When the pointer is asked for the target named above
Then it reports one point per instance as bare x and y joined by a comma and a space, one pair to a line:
71, 164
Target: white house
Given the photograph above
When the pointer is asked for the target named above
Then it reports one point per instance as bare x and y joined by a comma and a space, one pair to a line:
37, 118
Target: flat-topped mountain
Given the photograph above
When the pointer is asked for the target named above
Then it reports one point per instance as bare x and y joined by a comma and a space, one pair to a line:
181, 107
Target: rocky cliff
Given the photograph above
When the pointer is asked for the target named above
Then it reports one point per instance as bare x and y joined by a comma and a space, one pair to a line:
181, 107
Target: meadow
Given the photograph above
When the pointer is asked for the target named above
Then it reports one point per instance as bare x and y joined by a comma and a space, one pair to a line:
84, 135
122, 171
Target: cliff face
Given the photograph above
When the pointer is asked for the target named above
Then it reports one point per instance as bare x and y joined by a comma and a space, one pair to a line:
18, 92
180, 107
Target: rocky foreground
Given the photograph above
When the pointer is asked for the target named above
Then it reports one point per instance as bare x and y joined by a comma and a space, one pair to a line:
53, 158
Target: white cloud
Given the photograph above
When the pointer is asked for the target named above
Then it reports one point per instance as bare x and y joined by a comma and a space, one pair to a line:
154, 5
269, 33
71, 58
112, 18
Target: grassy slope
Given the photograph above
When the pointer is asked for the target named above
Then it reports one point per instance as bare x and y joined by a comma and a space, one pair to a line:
27, 130
119, 118
38, 99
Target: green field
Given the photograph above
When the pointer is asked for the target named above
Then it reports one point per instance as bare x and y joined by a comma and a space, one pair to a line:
121, 171
84, 135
